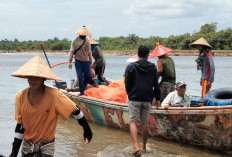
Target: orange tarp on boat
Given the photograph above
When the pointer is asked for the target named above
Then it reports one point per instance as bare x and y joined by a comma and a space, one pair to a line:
115, 91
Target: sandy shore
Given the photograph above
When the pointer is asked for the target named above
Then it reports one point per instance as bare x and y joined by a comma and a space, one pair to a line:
131, 52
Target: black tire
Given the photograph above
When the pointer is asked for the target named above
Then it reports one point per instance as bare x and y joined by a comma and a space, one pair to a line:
195, 104
218, 97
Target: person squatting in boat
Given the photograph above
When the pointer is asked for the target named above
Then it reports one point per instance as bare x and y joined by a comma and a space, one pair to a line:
91, 83
37, 109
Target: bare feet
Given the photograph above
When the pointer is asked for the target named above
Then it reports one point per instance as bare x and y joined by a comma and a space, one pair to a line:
144, 149
68, 90
136, 149
137, 152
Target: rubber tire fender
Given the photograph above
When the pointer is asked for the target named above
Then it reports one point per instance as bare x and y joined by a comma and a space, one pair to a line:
218, 97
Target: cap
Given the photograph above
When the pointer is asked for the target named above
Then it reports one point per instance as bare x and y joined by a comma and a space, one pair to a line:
181, 83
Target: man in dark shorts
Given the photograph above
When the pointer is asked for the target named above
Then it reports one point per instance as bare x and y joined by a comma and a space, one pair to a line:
143, 90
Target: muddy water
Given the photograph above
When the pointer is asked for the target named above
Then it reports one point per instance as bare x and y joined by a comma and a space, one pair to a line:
107, 142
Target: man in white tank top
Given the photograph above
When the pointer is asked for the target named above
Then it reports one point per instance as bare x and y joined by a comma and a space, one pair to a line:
177, 98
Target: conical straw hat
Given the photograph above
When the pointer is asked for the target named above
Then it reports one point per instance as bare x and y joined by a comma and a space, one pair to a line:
200, 41
36, 67
160, 50
83, 31
93, 42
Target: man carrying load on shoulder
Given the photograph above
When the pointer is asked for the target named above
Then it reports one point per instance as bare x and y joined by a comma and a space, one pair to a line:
37, 109
143, 90
205, 63
177, 98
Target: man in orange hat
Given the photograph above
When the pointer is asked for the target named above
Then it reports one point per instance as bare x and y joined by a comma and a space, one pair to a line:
81, 50
166, 69
205, 63
99, 61
37, 109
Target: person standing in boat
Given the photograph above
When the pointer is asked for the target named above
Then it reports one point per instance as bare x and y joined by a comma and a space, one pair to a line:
177, 98
81, 50
166, 70
99, 60
91, 83
37, 109
205, 63
141, 82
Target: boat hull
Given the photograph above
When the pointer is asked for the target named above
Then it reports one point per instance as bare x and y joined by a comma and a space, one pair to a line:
207, 127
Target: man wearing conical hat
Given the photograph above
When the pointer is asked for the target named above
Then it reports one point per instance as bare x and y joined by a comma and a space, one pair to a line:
99, 61
205, 63
81, 50
37, 109
165, 69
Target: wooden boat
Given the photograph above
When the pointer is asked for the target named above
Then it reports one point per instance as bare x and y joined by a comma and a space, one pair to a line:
207, 127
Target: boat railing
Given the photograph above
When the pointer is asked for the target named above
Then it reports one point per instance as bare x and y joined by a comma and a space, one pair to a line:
76, 95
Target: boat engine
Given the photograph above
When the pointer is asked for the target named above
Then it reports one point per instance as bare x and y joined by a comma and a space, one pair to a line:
60, 84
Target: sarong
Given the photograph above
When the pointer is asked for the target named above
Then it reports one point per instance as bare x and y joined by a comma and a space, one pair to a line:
43, 149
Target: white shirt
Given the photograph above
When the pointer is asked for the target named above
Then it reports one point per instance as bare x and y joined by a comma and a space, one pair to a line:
174, 100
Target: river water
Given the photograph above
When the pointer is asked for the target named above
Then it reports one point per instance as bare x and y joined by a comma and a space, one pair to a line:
106, 142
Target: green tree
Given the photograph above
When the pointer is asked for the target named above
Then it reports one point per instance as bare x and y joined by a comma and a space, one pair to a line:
19, 49
221, 40
207, 28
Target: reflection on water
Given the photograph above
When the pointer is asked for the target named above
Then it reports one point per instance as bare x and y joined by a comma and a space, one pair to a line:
106, 142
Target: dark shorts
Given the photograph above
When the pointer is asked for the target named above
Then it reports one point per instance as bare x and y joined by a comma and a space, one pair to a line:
166, 88
139, 111
99, 71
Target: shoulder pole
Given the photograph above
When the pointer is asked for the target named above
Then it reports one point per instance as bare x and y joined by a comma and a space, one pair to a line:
45, 55
48, 62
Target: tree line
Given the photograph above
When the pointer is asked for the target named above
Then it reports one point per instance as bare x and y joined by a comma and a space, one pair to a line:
219, 40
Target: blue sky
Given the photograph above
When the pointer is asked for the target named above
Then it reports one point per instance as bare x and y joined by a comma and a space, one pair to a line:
46, 19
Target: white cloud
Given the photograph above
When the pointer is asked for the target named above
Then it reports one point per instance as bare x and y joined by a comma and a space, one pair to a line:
176, 17
44, 19
175, 9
